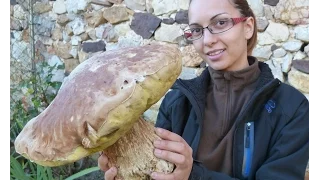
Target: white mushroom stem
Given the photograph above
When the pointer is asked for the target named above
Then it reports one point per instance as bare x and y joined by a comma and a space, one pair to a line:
133, 154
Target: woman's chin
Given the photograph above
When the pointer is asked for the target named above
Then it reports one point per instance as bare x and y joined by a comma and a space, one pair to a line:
216, 66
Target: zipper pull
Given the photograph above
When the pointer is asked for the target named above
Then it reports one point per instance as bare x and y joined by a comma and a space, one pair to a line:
247, 143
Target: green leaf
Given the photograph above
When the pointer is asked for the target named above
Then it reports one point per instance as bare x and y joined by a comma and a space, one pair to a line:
61, 66
36, 102
16, 170
30, 91
32, 167
56, 85
82, 173
49, 173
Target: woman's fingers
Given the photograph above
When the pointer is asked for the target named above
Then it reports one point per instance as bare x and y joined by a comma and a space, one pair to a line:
176, 150
173, 146
165, 134
175, 158
110, 174
161, 176
103, 162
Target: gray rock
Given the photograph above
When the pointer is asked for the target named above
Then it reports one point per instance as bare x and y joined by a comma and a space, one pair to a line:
107, 32
136, 4
58, 74
63, 19
275, 32
299, 56
268, 12
65, 36
182, 17
74, 51
145, 24
43, 25
292, 46
122, 28
73, 6
59, 7
168, 21
75, 40
301, 65
15, 24
188, 73
93, 46
271, 2
257, 7
168, 33
24, 4
18, 12
13, 2
262, 24
262, 52
115, 1
131, 39
302, 33
20, 51
41, 7
164, 6
276, 70
77, 26
274, 47
306, 50
278, 53
287, 62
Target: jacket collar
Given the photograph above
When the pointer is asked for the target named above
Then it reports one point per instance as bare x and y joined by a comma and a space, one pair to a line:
195, 89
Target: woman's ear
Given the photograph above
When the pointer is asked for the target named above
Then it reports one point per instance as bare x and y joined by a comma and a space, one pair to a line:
249, 27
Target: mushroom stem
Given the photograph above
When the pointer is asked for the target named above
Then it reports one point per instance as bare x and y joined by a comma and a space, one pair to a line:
133, 154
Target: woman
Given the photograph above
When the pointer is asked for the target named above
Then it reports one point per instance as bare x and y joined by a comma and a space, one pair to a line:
234, 121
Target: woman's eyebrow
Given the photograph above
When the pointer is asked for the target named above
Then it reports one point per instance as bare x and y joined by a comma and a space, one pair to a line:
217, 15
210, 18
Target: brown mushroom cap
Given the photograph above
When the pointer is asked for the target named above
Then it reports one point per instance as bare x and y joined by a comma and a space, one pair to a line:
98, 103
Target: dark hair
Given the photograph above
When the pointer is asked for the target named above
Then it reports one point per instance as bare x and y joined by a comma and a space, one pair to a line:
246, 11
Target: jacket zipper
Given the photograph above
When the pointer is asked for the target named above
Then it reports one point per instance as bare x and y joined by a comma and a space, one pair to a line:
248, 148
225, 124
263, 90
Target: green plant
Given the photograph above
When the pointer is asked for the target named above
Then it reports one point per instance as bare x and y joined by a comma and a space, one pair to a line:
31, 96
27, 99
82, 173
25, 170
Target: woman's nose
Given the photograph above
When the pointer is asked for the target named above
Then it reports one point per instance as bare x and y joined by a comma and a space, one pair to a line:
209, 38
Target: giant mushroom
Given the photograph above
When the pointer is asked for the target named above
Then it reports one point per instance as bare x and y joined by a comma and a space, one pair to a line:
99, 107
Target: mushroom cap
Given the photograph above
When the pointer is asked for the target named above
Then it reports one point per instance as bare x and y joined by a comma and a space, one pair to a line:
98, 103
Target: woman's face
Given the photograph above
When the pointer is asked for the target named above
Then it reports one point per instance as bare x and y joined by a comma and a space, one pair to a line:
225, 51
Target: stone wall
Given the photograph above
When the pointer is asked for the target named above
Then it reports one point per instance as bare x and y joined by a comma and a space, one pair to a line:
74, 30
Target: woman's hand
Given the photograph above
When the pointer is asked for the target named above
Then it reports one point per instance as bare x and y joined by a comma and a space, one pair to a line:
110, 173
174, 149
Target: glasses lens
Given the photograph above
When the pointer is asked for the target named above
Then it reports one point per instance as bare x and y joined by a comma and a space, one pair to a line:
193, 33
220, 25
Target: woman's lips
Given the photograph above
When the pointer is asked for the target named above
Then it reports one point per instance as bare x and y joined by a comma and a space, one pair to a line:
215, 55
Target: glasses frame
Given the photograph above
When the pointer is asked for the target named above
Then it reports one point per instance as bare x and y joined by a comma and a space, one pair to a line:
235, 21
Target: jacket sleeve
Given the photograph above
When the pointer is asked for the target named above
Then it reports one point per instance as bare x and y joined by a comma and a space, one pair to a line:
163, 119
289, 155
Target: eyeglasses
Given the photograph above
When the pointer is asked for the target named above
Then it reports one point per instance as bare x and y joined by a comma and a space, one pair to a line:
217, 26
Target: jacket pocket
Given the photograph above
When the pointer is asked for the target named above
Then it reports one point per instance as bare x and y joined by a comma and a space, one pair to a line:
248, 148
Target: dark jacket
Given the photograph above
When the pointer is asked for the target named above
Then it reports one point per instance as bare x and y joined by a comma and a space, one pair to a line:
271, 139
